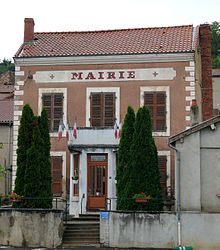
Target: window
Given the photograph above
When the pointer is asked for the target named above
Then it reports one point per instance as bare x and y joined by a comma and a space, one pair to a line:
102, 106
162, 162
157, 99
54, 100
56, 173
156, 102
102, 109
53, 103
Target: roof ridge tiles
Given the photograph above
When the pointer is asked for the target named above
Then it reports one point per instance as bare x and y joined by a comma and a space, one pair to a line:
112, 30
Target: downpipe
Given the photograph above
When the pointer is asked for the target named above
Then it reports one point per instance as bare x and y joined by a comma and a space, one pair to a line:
178, 195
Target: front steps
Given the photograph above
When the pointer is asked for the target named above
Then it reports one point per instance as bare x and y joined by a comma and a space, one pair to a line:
82, 231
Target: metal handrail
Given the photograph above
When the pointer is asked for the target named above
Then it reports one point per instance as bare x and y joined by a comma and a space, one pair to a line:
81, 201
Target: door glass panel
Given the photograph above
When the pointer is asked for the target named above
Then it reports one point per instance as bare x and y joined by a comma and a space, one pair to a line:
98, 157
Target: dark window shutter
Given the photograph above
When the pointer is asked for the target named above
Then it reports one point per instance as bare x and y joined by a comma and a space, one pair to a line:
109, 109
47, 104
96, 109
156, 103
58, 110
56, 172
162, 162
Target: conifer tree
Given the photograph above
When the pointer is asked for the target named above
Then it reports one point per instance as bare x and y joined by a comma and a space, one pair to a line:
144, 175
34, 186
124, 158
45, 169
24, 143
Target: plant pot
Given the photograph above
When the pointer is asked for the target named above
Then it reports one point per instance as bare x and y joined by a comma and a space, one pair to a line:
141, 200
75, 181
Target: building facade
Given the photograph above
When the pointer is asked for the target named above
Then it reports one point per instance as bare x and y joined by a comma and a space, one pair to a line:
88, 79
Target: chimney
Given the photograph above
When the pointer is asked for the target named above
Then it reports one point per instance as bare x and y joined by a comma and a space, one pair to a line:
28, 30
206, 67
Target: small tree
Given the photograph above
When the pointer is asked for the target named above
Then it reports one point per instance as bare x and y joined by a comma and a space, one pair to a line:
36, 181
124, 158
25, 134
144, 175
45, 169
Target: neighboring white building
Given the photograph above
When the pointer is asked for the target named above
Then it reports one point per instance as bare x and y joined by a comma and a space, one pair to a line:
198, 152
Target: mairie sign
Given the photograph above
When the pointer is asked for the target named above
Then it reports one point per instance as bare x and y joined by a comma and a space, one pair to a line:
76, 76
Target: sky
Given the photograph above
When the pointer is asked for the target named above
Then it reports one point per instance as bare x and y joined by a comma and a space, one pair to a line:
85, 15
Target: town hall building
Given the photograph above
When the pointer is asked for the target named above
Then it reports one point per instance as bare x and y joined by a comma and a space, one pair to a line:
86, 80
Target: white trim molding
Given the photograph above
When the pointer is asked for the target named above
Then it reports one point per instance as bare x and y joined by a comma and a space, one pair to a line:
105, 59
63, 155
155, 89
116, 90
42, 91
168, 155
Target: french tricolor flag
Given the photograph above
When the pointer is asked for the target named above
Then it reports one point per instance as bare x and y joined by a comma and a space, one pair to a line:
75, 130
60, 130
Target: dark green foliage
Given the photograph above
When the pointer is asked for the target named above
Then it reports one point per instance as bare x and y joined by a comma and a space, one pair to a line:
33, 160
45, 169
37, 176
215, 29
143, 170
6, 65
124, 158
24, 143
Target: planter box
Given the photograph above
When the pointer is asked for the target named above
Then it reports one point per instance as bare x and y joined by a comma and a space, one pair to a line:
141, 200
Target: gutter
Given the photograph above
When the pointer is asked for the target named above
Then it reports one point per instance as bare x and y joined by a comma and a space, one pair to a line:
178, 194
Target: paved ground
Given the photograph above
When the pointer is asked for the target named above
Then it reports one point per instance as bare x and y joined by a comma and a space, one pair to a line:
80, 248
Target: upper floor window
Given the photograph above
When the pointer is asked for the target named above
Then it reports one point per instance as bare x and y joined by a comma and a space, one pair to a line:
54, 100
156, 103
53, 103
157, 99
102, 106
102, 111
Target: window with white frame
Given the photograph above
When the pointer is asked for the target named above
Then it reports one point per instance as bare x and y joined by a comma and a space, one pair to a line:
102, 107
157, 100
54, 100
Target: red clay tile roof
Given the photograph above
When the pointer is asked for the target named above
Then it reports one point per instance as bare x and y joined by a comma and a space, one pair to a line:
176, 39
6, 111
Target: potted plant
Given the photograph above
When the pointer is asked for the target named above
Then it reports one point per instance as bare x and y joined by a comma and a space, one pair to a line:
141, 197
75, 179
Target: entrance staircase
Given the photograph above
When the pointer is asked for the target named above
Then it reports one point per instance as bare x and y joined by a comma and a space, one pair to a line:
82, 231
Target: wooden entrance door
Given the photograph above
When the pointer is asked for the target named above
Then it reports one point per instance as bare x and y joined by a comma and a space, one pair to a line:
97, 180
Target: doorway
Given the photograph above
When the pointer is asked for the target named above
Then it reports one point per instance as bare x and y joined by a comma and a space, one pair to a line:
97, 169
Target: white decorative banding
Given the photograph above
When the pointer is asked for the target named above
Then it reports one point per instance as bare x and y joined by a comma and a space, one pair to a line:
192, 93
18, 103
187, 118
17, 113
190, 88
17, 68
16, 123
20, 83
192, 73
19, 73
189, 68
189, 98
192, 84
190, 79
192, 63
187, 108
19, 92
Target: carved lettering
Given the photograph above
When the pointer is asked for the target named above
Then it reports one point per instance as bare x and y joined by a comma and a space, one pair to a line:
77, 76
131, 74
121, 75
111, 75
101, 75
90, 76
